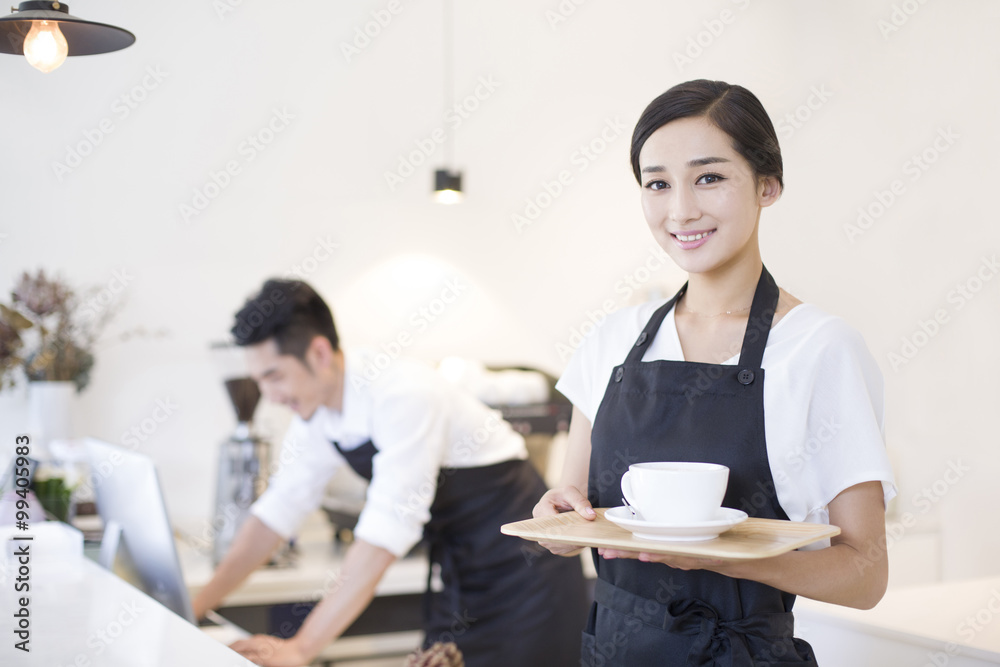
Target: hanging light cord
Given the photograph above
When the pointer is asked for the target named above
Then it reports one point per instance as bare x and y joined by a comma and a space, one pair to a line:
449, 88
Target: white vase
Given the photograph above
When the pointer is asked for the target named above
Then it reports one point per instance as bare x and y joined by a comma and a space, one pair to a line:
50, 413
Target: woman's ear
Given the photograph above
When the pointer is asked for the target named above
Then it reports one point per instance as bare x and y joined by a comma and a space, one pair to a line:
768, 191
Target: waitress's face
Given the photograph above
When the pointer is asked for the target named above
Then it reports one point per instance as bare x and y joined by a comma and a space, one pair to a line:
288, 380
700, 197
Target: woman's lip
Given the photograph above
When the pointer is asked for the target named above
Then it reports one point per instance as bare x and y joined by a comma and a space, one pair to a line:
692, 244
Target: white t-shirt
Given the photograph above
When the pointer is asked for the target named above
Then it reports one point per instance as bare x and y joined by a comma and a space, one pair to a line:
823, 399
418, 421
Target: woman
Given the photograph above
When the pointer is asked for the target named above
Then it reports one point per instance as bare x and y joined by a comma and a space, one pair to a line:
685, 381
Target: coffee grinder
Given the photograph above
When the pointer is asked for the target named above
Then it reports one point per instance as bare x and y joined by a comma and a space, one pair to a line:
243, 458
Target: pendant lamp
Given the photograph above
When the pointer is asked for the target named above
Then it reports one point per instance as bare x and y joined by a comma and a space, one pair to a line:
45, 33
448, 183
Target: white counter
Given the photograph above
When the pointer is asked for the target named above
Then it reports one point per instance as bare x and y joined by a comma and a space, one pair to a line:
314, 571
84, 616
950, 623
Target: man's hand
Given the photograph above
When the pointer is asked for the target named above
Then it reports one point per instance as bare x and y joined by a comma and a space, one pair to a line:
557, 501
271, 651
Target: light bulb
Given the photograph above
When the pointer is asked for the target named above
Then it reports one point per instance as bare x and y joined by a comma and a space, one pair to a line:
448, 196
45, 46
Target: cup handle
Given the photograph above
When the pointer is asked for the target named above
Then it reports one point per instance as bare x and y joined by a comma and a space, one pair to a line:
627, 488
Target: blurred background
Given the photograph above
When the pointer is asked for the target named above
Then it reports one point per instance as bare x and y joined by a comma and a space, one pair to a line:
237, 141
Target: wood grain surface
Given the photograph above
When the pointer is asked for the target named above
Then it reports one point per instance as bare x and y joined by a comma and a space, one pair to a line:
754, 538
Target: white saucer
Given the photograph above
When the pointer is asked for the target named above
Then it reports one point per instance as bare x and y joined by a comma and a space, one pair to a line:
689, 532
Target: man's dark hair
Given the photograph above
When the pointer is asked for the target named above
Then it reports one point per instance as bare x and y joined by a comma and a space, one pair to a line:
290, 312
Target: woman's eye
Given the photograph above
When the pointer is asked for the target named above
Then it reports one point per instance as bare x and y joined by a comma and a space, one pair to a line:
708, 179
657, 185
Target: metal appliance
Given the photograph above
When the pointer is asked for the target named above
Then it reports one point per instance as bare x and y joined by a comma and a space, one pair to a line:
243, 464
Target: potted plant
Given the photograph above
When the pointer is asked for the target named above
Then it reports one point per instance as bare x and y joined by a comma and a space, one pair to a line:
47, 337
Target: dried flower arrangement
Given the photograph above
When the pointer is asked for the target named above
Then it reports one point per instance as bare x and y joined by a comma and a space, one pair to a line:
47, 333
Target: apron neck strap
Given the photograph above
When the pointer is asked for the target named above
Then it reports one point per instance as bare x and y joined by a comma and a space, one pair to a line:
652, 326
765, 302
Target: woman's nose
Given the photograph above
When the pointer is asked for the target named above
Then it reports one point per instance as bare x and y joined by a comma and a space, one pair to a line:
684, 206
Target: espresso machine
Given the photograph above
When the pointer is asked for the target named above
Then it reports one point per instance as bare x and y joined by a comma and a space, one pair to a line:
243, 458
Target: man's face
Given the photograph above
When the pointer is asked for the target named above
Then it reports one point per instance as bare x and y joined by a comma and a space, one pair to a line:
285, 379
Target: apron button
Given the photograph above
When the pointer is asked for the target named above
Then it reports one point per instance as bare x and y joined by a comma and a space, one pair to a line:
745, 376
619, 374
642, 339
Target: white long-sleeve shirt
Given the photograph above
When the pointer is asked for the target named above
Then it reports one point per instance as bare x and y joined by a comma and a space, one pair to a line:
419, 423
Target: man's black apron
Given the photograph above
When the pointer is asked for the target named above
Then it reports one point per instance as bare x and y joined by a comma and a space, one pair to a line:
651, 614
504, 601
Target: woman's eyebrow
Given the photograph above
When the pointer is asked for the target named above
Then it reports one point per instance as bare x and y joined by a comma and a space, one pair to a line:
697, 162
702, 161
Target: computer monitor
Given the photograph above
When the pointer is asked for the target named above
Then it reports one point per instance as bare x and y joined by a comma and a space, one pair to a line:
138, 542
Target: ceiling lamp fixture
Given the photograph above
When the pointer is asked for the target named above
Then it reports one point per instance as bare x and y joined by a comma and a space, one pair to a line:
45, 33
447, 186
448, 183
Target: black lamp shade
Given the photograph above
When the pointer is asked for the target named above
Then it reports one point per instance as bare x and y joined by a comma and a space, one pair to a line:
447, 180
84, 38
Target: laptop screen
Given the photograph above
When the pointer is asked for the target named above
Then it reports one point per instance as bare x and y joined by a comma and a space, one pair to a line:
138, 543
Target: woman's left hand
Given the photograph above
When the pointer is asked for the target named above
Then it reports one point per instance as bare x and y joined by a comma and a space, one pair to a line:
676, 562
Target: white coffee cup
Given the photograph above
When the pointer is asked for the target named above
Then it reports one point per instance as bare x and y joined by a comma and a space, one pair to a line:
675, 493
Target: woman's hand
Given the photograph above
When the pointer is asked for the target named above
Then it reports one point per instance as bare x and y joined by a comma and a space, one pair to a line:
271, 651
557, 501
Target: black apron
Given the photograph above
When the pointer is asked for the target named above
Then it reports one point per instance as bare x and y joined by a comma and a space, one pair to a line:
504, 601
649, 613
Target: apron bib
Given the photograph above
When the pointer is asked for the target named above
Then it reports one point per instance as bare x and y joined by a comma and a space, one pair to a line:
504, 601
651, 614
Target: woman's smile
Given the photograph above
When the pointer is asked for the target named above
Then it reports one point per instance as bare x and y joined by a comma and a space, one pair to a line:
692, 240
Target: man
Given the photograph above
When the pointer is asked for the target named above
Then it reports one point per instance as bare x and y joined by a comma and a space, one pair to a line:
442, 466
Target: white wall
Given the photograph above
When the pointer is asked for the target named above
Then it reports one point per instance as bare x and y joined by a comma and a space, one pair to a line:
222, 75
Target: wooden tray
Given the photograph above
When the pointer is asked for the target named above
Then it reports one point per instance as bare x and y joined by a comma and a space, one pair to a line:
754, 538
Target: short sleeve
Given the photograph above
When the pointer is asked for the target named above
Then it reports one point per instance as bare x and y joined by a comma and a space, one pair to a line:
838, 441
410, 430
296, 488
578, 383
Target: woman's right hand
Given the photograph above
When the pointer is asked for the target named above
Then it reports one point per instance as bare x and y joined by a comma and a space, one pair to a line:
557, 501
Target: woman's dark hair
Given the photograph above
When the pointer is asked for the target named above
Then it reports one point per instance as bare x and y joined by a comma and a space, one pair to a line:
733, 109
291, 312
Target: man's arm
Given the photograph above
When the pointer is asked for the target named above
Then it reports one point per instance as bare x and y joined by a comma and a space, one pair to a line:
354, 588
253, 545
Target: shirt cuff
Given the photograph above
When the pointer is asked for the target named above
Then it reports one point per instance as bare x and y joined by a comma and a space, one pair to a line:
269, 510
395, 534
